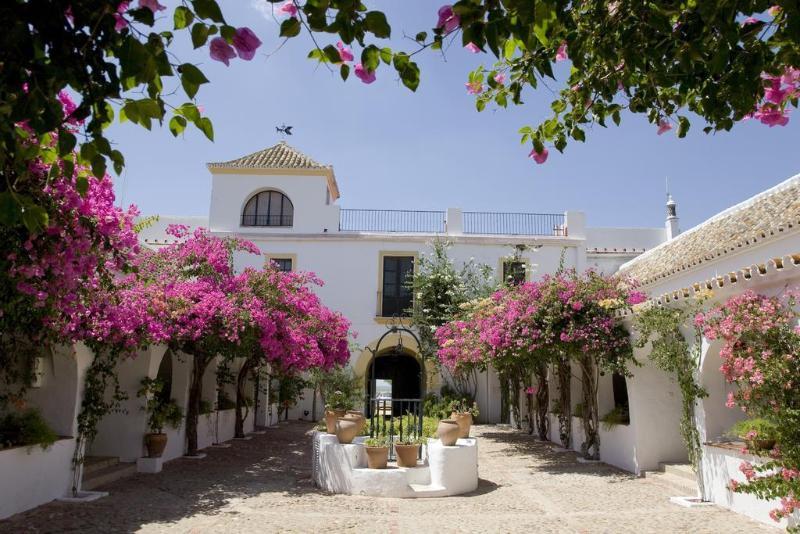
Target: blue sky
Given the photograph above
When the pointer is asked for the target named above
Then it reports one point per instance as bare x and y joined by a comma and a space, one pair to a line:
394, 149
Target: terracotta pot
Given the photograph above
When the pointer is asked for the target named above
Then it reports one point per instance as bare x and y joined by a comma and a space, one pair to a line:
347, 429
330, 419
760, 444
377, 457
406, 455
357, 416
155, 443
448, 431
464, 420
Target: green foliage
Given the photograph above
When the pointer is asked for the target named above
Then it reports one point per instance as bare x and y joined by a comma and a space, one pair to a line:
338, 401
660, 326
160, 413
224, 402
618, 416
440, 290
441, 406
761, 427
380, 440
339, 382
463, 406
206, 407
131, 71
24, 429
661, 59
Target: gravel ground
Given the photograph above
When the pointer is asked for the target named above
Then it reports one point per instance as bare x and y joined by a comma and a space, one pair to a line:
264, 485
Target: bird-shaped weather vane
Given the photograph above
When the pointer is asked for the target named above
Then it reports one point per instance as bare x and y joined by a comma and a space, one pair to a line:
284, 130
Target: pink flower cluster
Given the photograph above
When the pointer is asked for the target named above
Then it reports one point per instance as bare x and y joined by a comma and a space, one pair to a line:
245, 44
778, 92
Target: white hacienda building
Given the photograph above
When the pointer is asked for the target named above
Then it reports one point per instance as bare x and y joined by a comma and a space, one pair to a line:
287, 204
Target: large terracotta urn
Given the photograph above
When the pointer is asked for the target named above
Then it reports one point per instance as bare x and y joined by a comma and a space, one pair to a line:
330, 420
357, 416
377, 457
347, 429
407, 455
464, 420
448, 431
155, 443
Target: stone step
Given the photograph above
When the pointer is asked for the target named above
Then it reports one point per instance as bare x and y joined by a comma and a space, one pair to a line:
107, 475
92, 464
678, 484
678, 469
427, 490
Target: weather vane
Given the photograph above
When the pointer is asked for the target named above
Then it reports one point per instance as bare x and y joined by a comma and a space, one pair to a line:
284, 130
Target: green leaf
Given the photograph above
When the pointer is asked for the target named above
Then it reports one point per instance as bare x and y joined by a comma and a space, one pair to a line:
344, 71
9, 209
98, 166
375, 22
509, 48
578, 134
683, 126
177, 125
290, 27
182, 17
386, 55
371, 58
408, 71
208, 9
206, 127
66, 143
421, 37
199, 34
228, 33
82, 185
35, 218
558, 106
191, 78
331, 54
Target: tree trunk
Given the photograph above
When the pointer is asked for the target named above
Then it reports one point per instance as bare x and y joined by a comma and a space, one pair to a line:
542, 401
515, 387
195, 394
589, 381
314, 403
564, 372
241, 380
505, 412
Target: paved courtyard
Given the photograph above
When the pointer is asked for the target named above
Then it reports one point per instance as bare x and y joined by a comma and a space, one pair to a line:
264, 485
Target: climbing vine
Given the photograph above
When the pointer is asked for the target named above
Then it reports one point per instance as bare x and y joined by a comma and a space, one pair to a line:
660, 326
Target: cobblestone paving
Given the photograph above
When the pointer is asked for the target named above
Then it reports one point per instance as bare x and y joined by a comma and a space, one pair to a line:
264, 485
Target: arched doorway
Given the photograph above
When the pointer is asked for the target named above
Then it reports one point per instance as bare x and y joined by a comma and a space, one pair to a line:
396, 371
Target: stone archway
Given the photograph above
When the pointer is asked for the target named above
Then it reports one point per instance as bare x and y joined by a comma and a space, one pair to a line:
404, 371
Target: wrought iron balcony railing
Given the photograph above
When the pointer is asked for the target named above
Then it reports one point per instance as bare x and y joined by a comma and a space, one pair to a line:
490, 223
401, 221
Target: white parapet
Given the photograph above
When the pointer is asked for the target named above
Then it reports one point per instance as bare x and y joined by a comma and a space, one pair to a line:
342, 468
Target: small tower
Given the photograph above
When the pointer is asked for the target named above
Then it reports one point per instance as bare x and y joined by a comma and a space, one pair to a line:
672, 219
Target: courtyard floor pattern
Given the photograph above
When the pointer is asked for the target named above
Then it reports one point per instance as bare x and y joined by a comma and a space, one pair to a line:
264, 485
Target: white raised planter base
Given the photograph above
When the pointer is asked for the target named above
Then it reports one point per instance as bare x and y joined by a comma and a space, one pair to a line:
342, 468
149, 465
83, 496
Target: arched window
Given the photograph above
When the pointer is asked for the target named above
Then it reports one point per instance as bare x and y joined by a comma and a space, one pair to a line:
268, 208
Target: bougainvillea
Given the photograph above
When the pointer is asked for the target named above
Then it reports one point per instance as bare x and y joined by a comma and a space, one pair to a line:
761, 356
520, 329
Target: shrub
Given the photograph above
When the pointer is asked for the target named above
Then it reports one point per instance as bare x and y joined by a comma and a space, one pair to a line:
756, 428
225, 403
206, 407
618, 416
26, 428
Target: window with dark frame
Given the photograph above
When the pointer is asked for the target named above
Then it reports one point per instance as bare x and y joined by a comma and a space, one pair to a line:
513, 272
268, 208
284, 264
397, 296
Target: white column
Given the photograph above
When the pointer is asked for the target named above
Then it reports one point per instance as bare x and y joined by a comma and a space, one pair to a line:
455, 221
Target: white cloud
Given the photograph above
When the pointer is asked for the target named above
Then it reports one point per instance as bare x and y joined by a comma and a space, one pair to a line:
267, 9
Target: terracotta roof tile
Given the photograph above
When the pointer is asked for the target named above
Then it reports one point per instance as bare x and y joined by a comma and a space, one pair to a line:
753, 221
280, 156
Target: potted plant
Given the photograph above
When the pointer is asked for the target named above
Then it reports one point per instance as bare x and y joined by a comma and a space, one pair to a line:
160, 413
463, 414
377, 449
336, 407
759, 434
407, 450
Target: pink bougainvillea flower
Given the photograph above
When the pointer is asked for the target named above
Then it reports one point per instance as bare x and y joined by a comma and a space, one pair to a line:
791, 76
288, 8
772, 116
152, 5
472, 47
448, 20
500, 78
531, 390
750, 20
539, 157
774, 11
246, 43
120, 20
775, 93
345, 54
664, 126
220, 50
474, 88
363, 74
561, 54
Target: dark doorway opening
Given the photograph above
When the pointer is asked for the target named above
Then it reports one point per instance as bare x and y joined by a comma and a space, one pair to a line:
403, 370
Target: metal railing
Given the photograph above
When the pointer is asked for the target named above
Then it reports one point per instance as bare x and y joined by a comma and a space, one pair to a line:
407, 221
490, 223
397, 419
267, 220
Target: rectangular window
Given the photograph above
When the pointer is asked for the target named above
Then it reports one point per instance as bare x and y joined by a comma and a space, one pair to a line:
396, 293
284, 264
514, 272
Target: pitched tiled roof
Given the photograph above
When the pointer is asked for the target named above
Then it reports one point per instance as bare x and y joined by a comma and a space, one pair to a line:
280, 156
760, 218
